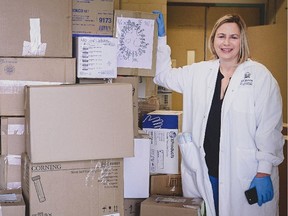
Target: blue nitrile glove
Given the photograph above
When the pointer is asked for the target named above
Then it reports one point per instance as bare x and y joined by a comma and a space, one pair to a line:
184, 138
264, 189
160, 22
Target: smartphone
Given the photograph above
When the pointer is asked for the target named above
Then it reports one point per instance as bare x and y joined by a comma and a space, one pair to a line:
251, 196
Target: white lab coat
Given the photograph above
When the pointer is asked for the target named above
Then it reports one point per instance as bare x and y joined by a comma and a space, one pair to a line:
251, 124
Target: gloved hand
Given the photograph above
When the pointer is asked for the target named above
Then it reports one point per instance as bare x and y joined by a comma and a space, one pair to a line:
264, 189
160, 22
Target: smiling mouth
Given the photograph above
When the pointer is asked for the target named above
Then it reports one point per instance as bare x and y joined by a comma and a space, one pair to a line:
226, 50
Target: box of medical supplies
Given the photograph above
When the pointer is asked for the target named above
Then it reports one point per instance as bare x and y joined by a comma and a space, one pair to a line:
96, 57
137, 37
36, 28
90, 187
10, 172
132, 206
165, 184
163, 126
136, 170
172, 205
12, 135
12, 203
79, 122
91, 18
15, 73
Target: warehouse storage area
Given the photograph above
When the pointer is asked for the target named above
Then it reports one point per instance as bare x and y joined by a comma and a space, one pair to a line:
84, 129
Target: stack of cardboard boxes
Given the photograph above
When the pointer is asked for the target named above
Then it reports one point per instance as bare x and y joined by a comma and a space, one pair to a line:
35, 49
70, 143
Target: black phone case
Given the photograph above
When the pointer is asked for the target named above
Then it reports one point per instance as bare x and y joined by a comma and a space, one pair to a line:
251, 196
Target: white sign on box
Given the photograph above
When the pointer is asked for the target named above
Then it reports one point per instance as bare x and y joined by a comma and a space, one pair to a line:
97, 57
135, 42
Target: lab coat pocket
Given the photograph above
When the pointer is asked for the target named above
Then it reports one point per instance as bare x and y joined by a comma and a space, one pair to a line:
246, 163
190, 155
191, 169
189, 183
243, 102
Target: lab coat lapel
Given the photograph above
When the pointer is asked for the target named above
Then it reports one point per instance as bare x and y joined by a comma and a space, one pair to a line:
232, 90
212, 82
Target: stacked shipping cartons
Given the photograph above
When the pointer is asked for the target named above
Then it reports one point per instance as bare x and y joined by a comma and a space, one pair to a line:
76, 141
96, 65
92, 53
76, 135
35, 48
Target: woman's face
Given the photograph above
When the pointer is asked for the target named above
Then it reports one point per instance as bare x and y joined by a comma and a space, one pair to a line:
227, 42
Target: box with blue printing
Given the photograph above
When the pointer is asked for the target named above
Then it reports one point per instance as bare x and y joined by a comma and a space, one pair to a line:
162, 126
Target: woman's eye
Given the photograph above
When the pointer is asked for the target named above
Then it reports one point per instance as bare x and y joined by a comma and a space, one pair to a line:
235, 37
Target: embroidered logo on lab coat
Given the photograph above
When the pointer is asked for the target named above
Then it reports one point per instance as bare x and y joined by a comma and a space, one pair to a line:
247, 79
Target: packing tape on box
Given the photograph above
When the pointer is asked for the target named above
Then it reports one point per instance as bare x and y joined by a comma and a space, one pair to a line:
10, 197
34, 47
13, 185
16, 129
17, 86
14, 159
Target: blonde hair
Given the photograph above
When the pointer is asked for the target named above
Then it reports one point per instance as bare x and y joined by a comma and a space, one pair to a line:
244, 53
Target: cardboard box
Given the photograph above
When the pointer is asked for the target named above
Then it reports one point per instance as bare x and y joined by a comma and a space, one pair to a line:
12, 203
132, 206
15, 73
92, 18
147, 105
79, 122
10, 172
171, 206
147, 87
136, 170
36, 28
166, 184
12, 135
122, 79
133, 80
90, 188
96, 57
136, 57
165, 100
163, 127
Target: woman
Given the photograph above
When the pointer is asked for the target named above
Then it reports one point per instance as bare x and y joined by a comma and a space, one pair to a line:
232, 113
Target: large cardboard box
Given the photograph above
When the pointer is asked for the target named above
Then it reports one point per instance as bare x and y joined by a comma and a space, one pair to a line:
163, 126
91, 18
12, 135
165, 184
12, 203
15, 73
171, 206
79, 122
10, 172
136, 170
36, 28
133, 80
90, 188
137, 36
